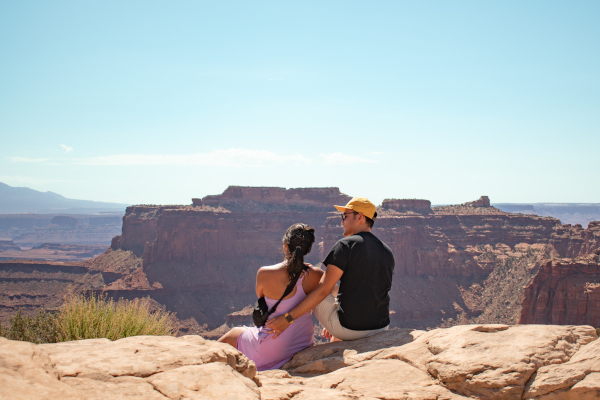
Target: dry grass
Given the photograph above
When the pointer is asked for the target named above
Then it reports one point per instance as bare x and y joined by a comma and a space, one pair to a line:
89, 317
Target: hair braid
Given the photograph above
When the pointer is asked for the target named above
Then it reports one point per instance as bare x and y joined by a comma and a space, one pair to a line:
299, 239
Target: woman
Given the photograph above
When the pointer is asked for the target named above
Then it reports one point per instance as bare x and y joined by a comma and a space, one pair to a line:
258, 344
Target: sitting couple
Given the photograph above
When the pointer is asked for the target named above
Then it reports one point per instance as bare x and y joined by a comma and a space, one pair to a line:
362, 263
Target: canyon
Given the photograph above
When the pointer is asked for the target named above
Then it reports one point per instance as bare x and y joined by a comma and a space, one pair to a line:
468, 263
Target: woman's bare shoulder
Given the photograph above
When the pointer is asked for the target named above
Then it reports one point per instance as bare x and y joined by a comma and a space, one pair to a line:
316, 272
270, 269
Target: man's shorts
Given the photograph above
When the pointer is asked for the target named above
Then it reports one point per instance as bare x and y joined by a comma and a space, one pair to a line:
327, 314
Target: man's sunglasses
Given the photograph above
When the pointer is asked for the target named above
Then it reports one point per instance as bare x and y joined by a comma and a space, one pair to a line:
345, 215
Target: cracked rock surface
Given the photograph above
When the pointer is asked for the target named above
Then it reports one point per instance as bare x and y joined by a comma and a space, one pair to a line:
462, 362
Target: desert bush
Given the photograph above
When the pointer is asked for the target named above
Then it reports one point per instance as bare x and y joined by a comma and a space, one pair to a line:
90, 317
43, 328
93, 316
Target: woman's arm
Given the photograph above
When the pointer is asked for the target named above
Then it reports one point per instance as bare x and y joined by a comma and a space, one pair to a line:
260, 277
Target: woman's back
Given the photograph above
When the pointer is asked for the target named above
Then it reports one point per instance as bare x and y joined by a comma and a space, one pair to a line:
272, 281
267, 349
258, 343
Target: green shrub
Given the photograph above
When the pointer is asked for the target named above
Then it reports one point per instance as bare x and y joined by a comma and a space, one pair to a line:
90, 317
43, 328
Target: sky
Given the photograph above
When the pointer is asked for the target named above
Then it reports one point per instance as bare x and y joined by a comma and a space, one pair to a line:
147, 102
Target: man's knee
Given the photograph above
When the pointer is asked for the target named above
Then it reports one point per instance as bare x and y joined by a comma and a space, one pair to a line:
324, 309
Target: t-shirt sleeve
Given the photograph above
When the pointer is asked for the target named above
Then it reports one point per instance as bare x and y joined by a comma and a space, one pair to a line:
338, 255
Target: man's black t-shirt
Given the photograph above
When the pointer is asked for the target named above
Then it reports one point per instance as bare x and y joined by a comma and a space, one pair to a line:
368, 265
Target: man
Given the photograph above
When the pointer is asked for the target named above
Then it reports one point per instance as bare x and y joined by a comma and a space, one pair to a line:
364, 266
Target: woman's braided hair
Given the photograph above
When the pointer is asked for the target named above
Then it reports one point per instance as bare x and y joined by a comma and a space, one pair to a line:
299, 239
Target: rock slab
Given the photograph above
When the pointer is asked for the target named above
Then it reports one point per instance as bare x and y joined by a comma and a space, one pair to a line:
463, 362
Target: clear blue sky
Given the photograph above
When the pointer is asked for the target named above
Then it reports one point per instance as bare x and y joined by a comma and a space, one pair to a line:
159, 102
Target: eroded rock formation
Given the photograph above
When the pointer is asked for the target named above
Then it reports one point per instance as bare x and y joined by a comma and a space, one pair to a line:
243, 198
407, 205
574, 241
30, 285
453, 263
564, 291
483, 201
463, 362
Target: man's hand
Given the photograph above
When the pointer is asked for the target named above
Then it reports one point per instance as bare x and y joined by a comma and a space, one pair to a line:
328, 280
277, 325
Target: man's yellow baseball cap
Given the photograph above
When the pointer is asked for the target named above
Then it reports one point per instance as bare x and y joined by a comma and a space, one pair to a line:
361, 205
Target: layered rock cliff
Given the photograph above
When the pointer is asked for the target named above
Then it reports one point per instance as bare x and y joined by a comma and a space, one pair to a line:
203, 259
454, 261
30, 285
574, 241
466, 263
564, 291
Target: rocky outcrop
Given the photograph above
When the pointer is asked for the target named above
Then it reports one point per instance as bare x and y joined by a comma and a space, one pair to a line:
564, 291
407, 205
472, 361
139, 228
142, 367
483, 201
236, 198
475, 361
574, 241
30, 285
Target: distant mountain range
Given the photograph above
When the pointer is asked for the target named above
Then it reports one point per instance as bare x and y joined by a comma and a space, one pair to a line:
24, 200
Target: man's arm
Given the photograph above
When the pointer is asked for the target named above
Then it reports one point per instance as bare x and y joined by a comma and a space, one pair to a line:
328, 280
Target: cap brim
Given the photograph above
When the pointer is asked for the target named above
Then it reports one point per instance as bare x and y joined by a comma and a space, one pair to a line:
342, 208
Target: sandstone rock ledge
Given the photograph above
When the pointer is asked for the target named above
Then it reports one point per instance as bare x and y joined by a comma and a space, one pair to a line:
469, 361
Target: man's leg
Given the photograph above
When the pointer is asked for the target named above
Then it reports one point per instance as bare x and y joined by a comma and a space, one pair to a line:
326, 313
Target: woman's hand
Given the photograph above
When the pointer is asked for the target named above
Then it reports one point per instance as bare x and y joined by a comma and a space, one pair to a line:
277, 324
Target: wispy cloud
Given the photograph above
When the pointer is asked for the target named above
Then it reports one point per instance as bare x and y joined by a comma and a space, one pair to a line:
214, 158
218, 158
28, 160
66, 148
343, 159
